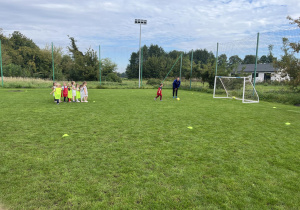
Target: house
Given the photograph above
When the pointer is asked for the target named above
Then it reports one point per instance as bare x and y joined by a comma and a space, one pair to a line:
264, 72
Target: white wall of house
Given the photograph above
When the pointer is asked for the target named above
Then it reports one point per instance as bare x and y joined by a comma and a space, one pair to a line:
274, 77
260, 77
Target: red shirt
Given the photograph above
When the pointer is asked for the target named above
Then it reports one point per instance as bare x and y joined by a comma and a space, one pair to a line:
65, 91
159, 90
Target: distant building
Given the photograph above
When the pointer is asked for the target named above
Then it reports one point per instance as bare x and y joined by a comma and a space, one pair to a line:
264, 72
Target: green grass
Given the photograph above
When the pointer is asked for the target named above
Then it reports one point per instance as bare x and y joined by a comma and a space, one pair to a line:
127, 151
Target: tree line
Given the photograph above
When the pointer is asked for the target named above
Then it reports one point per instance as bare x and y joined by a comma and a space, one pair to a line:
21, 57
156, 63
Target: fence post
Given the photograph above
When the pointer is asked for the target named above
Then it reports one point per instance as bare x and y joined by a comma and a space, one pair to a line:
53, 62
191, 69
1, 64
99, 65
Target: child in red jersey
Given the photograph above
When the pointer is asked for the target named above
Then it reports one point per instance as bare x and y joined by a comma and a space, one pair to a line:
159, 92
65, 91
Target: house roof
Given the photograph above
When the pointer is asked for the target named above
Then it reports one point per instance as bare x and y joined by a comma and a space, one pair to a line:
266, 67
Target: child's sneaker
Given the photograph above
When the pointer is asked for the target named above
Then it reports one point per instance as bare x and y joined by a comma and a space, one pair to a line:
154, 99
173, 96
161, 100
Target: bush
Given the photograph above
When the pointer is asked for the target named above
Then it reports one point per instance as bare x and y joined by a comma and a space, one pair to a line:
153, 82
12, 70
113, 77
101, 87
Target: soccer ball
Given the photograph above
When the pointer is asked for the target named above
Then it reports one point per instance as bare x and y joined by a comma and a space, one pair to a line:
233, 97
178, 99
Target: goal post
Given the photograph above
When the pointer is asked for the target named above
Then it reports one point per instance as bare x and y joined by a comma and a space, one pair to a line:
240, 88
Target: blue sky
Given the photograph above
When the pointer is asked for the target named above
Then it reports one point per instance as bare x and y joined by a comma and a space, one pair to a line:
180, 25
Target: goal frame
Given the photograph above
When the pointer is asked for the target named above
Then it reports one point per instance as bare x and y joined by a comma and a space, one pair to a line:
244, 86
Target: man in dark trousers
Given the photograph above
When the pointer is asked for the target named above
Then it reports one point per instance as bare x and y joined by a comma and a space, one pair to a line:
176, 85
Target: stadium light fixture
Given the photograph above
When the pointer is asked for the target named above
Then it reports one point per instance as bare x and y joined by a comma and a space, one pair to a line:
140, 22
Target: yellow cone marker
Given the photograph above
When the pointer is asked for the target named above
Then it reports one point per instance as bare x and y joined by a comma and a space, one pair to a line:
274, 107
287, 123
65, 135
190, 127
94, 101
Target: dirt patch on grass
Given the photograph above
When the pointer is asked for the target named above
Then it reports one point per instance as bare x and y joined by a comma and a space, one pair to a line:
15, 91
2, 208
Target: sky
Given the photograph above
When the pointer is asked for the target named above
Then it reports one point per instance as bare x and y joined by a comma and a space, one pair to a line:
179, 25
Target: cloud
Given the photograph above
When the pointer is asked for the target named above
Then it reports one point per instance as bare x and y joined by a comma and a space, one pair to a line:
181, 25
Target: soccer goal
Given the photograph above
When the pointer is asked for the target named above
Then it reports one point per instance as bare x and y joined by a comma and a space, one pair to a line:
240, 88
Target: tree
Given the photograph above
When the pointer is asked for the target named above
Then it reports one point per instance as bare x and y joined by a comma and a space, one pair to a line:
234, 62
222, 60
295, 46
132, 69
264, 59
207, 73
203, 56
235, 59
289, 64
20, 40
85, 65
108, 66
271, 58
155, 50
249, 59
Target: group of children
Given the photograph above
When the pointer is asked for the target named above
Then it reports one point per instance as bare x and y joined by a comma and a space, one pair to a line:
72, 92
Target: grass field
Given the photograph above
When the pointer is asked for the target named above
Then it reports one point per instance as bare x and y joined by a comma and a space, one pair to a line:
127, 151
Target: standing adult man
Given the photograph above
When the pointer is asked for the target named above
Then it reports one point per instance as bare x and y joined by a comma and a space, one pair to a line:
176, 85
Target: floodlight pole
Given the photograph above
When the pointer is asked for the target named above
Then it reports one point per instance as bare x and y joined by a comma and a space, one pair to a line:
99, 65
144, 22
140, 55
1, 64
142, 68
191, 69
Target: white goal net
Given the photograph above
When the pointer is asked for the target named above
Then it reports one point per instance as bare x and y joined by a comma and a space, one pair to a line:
240, 88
